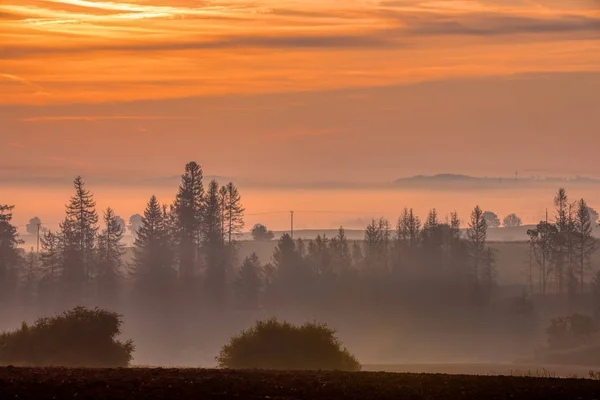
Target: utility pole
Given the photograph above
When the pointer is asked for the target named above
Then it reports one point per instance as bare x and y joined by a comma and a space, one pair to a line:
292, 223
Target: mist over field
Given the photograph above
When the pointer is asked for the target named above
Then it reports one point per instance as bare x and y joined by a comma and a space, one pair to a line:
406, 290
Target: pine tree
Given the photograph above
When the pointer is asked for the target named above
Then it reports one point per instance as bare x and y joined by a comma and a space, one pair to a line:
110, 252
9, 255
233, 213
477, 235
153, 259
407, 236
79, 231
564, 226
585, 243
249, 284
340, 250
188, 209
213, 247
50, 269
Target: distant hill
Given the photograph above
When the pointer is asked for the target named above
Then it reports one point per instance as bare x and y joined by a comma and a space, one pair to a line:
462, 181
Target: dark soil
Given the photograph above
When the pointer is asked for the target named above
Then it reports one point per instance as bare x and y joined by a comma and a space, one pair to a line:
181, 384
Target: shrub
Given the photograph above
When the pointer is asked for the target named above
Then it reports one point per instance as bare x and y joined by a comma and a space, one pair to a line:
276, 345
77, 338
571, 331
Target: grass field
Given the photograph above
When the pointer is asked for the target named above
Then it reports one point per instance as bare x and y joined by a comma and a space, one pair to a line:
182, 384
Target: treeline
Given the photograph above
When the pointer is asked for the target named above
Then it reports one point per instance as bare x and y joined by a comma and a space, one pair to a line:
185, 263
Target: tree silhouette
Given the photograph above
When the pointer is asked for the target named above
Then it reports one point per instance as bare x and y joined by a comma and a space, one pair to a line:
188, 209
585, 243
233, 213
491, 219
249, 283
512, 221
79, 230
260, 233
9, 255
477, 236
110, 252
213, 246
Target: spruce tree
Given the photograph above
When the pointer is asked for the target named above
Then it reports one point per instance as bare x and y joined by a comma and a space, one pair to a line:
188, 209
110, 253
9, 255
51, 259
79, 231
213, 246
340, 249
249, 284
153, 260
585, 243
477, 235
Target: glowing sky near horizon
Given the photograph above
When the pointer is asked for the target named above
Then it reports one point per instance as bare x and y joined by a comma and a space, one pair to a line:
297, 91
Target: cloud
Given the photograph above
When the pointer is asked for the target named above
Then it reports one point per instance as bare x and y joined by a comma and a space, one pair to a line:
303, 133
68, 161
95, 118
490, 25
272, 42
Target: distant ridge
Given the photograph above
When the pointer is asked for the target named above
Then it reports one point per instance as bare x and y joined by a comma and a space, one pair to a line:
445, 179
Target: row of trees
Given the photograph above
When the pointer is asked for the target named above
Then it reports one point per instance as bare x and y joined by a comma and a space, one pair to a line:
562, 249
185, 259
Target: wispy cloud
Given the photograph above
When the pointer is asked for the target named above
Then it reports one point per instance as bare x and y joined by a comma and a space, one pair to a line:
115, 49
68, 161
95, 118
294, 133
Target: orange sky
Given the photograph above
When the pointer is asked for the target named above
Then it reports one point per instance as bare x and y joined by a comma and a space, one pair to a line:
297, 91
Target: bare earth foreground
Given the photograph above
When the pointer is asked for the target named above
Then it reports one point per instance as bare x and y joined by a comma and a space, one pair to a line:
54, 383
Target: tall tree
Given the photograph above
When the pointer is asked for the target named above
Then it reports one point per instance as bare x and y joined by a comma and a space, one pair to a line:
110, 253
9, 255
543, 242
340, 251
563, 223
79, 231
407, 236
213, 247
51, 259
188, 210
585, 243
249, 284
153, 262
233, 213
377, 245
477, 236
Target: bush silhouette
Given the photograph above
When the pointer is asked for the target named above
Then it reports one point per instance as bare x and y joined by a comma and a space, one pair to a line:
276, 345
77, 338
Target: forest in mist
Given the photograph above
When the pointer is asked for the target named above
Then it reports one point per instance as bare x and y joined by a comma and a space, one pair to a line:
418, 288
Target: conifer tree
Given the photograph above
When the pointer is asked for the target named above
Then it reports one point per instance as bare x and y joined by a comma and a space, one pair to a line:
110, 252
213, 247
188, 209
9, 255
51, 260
233, 213
585, 243
79, 231
477, 235
340, 249
249, 284
153, 258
